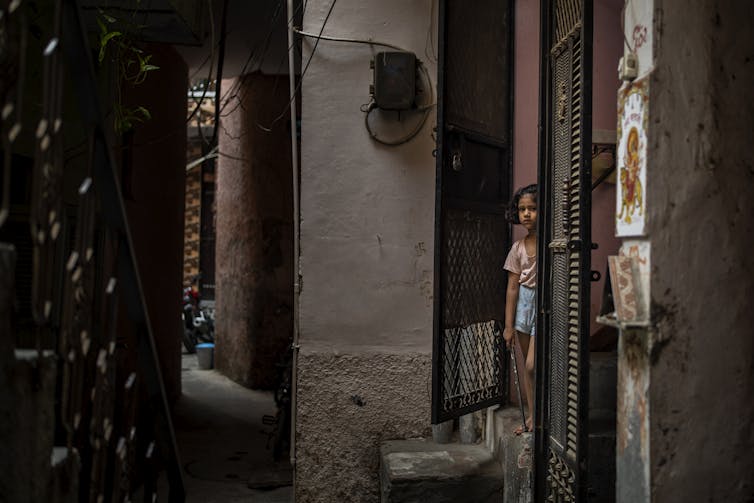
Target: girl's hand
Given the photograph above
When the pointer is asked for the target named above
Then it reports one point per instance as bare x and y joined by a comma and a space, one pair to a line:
508, 336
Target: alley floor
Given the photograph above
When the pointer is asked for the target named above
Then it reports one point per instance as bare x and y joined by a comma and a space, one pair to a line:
222, 441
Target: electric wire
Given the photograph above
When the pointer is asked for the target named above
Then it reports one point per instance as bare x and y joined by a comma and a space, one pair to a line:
209, 76
219, 76
349, 40
253, 52
301, 8
306, 67
623, 26
233, 92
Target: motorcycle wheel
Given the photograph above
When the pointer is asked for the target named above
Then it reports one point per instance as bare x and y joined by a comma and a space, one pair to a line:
189, 340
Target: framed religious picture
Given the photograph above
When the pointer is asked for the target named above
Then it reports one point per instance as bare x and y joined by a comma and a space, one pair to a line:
630, 207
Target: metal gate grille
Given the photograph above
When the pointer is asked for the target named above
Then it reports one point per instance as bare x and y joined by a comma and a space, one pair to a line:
561, 449
473, 289
473, 185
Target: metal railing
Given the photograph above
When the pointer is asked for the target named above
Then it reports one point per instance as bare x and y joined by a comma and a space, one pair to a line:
111, 407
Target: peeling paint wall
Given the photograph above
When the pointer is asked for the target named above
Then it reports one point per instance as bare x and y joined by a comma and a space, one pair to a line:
367, 231
632, 417
701, 223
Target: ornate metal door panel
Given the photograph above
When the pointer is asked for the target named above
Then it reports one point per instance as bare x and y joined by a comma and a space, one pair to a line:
473, 184
564, 249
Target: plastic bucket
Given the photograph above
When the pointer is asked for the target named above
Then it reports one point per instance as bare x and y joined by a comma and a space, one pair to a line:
205, 354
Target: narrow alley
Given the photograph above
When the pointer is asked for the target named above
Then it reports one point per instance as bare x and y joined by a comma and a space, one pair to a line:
376, 251
225, 446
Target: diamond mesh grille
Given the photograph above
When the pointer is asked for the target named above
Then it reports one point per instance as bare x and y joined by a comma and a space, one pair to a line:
473, 298
474, 285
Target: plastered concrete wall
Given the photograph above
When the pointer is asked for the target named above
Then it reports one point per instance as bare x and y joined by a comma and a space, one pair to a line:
254, 247
367, 231
367, 210
348, 404
153, 185
700, 209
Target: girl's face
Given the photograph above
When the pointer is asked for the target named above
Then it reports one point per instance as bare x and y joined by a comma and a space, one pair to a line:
527, 212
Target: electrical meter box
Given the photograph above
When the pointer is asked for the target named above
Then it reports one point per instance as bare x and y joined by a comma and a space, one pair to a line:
394, 85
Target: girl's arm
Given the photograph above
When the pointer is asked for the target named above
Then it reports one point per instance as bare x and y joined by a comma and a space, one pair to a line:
511, 298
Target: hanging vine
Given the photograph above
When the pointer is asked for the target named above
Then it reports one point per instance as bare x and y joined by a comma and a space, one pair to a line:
117, 43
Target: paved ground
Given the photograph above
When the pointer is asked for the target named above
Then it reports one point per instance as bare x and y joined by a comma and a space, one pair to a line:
222, 440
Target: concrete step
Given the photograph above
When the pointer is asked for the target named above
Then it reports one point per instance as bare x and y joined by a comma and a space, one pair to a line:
27, 424
514, 452
414, 471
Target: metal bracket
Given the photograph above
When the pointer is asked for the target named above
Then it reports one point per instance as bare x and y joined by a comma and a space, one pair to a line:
611, 320
558, 245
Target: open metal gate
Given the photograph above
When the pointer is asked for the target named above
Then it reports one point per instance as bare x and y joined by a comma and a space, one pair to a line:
473, 185
564, 251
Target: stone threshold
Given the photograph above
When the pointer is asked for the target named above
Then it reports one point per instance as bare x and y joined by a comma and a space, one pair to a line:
423, 470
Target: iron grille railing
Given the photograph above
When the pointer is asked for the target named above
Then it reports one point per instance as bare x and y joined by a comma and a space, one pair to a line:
111, 409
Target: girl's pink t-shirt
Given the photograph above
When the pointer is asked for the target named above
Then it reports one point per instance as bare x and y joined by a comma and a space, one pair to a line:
518, 262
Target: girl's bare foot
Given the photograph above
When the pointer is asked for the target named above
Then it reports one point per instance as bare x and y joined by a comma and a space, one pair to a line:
521, 429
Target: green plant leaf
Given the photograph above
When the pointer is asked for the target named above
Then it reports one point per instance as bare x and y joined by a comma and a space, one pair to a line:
143, 111
103, 43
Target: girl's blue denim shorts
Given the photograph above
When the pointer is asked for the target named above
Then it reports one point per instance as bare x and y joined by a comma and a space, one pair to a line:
526, 311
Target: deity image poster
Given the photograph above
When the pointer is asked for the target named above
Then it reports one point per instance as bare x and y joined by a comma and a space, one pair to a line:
630, 208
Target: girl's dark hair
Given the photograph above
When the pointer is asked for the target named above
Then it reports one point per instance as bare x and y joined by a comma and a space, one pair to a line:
523, 191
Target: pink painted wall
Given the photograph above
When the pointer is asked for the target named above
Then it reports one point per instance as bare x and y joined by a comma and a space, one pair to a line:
607, 51
526, 96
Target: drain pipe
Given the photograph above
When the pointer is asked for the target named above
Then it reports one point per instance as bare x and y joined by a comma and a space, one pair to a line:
296, 232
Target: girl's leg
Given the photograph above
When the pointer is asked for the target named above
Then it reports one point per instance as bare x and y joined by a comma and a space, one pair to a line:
526, 348
530, 378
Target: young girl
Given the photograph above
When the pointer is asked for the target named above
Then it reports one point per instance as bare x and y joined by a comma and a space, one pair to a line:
520, 297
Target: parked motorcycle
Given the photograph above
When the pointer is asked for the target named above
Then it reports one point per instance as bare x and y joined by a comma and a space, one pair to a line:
198, 325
